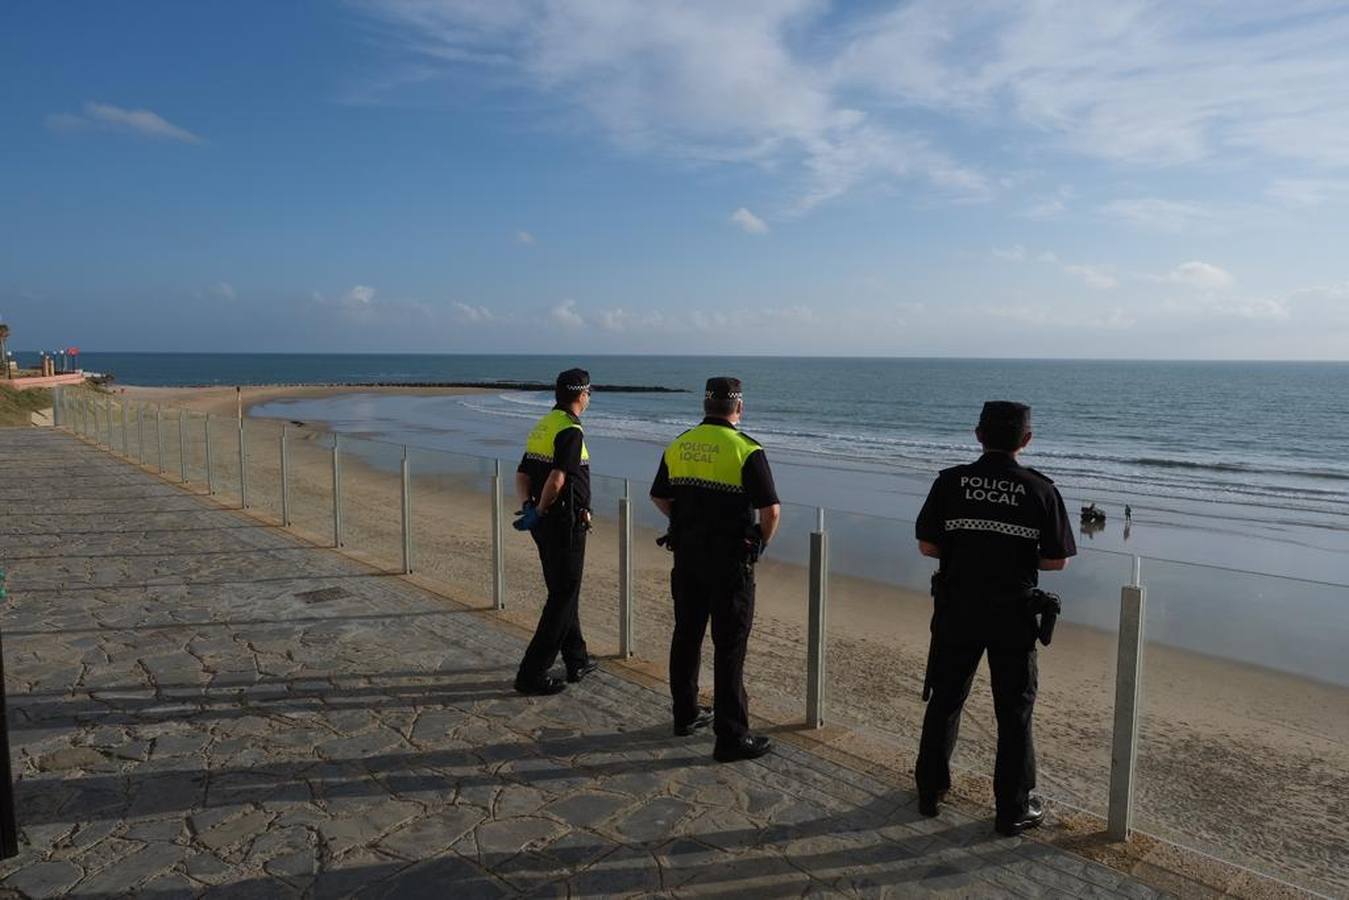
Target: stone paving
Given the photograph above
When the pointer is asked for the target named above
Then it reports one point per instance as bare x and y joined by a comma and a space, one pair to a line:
200, 705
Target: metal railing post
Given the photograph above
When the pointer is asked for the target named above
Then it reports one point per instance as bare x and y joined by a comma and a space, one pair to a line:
182, 445
210, 474
159, 438
498, 543
140, 432
815, 639
57, 399
337, 490
407, 513
107, 417
1128, 685
626, 649
126, 437
285, 481
243, 468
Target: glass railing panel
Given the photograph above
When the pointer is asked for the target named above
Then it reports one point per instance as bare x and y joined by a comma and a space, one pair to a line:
372, 517
225, 459
878, 626
194, 447
309, 467
653, 607
775, 662
525, 590
452, 523
154, 456
116, 432
262, 456
1244, 739
775, 666
173, 456
599, 588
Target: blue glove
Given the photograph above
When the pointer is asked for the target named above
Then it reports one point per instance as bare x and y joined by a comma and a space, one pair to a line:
527, 518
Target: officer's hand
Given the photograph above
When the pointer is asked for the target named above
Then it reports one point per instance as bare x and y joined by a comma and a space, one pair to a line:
527, 517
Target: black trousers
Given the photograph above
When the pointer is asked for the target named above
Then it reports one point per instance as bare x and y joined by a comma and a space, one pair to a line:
717, 586
562, 552
1012, 668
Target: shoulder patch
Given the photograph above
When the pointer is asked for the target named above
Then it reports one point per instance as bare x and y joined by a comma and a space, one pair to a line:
1038, 474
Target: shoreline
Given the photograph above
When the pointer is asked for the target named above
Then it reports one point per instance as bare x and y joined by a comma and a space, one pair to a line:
223, 401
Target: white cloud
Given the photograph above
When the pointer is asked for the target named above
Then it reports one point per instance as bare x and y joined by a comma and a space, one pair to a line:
748, 221
1300, 193
359, 295
115, 118
701, 80
1201, 275
1158, 214
565, 314
222, 290
1050, 207
524, 237
465, 312
1141, 81
1098, 277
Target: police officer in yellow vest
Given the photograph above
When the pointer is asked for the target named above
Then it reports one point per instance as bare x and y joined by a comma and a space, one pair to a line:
710, 483
553, 486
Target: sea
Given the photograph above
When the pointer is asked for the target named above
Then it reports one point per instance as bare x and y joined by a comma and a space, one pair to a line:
1236, 473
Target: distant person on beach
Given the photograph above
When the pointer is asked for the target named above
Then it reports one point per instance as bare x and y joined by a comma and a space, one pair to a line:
994, 524
553, 486
711, 482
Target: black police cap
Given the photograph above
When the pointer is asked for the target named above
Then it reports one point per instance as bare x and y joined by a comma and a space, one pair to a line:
1005, 413
724, 388
573, 381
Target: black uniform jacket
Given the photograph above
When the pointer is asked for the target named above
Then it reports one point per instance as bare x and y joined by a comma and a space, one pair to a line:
994, 520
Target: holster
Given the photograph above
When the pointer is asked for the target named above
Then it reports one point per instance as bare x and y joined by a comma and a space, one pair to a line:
1047, 606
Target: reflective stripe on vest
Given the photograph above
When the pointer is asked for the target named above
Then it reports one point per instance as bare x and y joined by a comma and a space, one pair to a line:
539, 445
709, 456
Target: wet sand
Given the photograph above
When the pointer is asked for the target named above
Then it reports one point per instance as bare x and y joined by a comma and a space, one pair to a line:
1246, 763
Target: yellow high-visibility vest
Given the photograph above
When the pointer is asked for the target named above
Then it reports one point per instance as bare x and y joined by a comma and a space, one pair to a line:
710, 456
539, 445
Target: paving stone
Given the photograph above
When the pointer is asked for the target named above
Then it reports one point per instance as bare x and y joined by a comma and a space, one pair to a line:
654, 820
45, 879
432, 834
235, 831
587, 808
339, 835
122, 876
627, 870
505, 837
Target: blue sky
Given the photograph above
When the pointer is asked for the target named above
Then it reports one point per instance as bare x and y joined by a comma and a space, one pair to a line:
1125, 179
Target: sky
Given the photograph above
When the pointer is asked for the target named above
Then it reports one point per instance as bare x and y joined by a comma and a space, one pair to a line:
930, 178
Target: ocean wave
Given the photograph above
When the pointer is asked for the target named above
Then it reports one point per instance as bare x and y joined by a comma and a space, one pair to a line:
1083, 468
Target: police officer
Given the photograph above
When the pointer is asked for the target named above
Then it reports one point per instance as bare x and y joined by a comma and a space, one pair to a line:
994, 524
711, 482
553, 486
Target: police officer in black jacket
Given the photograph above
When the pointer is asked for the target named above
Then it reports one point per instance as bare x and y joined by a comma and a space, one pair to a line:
994, 524
553, 486
712, 482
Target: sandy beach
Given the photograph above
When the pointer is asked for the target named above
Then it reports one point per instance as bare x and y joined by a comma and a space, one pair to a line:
1246, 763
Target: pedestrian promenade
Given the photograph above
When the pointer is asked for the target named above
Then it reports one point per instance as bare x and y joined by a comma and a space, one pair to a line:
200, 704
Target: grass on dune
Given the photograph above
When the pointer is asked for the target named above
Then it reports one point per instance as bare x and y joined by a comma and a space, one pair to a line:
17, 406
